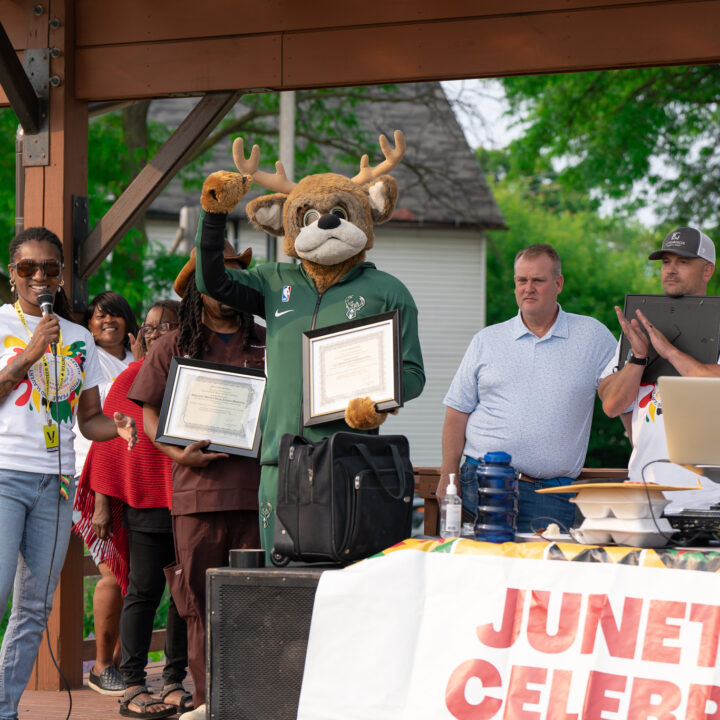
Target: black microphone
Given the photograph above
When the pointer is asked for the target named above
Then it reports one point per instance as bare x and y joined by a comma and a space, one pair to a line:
45, 300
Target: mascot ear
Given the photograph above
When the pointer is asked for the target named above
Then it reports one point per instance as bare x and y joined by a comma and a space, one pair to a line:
383, 194
266, 213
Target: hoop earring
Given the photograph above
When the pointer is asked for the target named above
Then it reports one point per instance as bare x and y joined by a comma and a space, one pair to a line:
12, 286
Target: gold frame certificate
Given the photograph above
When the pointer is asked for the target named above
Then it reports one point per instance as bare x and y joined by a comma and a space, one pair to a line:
359, 358
212, 401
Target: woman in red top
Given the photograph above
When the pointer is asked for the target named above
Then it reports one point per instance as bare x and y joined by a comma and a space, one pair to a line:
125, 504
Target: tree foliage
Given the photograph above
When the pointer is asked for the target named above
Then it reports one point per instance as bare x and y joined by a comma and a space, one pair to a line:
8, 128
647, 137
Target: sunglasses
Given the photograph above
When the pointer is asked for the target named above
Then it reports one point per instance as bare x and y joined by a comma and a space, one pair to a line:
27, 268
161, 328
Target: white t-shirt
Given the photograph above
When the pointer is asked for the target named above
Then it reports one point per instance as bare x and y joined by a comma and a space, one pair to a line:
650, 445
22, 416
110, 368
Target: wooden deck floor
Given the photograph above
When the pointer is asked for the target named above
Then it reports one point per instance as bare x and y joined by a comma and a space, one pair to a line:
86, 703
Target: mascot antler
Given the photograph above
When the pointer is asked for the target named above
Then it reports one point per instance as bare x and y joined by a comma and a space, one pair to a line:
392, 160
277, 182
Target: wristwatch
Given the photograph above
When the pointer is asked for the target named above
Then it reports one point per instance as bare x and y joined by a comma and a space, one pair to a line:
639, 361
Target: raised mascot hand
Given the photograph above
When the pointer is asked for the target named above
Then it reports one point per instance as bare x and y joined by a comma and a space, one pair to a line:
223, 190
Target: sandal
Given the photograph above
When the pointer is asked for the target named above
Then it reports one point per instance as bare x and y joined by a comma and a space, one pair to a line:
186, 701
131, 697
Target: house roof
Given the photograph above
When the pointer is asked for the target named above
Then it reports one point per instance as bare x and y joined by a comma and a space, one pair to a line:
440, 181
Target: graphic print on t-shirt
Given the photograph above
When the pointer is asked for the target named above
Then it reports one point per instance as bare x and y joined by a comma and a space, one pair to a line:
650, 398
70, 382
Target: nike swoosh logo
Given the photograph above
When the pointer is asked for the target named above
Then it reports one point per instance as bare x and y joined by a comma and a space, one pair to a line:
284, 312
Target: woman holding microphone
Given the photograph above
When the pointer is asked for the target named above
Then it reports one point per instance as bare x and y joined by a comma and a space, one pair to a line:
48, 375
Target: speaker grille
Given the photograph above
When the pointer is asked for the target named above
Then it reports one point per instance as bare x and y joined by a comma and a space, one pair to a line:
257, 638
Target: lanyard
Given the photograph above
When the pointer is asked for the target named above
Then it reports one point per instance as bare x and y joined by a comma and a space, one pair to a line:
45, 364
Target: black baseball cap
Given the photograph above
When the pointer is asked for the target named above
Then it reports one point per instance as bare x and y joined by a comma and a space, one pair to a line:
686, 242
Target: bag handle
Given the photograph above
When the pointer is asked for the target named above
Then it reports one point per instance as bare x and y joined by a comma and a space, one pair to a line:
363, 450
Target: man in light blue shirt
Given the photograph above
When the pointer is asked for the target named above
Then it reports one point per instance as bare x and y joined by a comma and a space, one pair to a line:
527, 387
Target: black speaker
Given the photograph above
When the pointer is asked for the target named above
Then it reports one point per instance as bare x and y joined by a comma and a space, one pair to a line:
258, 622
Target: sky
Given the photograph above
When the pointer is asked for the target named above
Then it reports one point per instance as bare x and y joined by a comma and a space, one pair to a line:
480, 108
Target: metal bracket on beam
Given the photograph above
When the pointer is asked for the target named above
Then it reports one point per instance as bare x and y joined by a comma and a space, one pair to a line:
36, 148
80, 219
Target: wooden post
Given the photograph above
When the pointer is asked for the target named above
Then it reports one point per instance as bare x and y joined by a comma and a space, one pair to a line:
49, 188
48, 193
65, 627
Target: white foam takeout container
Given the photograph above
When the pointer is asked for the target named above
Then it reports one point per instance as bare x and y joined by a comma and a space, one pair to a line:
628, 503
637, 532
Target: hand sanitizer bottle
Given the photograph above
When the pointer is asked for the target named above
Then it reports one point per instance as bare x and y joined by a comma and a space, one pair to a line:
450, 511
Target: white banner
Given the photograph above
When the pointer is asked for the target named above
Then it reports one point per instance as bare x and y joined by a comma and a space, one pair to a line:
427, 635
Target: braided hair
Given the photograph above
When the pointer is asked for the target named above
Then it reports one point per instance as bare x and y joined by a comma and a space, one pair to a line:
61, 305
190, 340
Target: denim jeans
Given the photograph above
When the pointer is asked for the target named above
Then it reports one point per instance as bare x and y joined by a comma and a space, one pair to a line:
32, 518
534, 510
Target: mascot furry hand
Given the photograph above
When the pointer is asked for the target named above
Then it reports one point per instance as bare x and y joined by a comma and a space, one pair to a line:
327, 221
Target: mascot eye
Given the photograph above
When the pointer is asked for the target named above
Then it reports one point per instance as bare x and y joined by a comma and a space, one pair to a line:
310, 217
339, 212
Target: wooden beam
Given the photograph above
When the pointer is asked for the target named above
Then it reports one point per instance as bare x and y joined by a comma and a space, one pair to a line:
195, 66
65, 628
17, 86
152, 179
16, 14
119, 22
24, 28
613, 35
587, 39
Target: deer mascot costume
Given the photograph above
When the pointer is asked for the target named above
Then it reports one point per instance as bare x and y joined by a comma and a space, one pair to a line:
327, 220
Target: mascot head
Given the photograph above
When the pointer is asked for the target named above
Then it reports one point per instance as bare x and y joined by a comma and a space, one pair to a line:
327, 219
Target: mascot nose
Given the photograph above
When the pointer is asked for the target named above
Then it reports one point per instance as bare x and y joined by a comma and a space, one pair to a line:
328, 222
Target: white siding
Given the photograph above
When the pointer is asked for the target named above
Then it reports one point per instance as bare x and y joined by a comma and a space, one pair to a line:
445, 272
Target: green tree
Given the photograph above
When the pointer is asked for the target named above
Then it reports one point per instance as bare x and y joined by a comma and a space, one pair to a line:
8, 128
643, 138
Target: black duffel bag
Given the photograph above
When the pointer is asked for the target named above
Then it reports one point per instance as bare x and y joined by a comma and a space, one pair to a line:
343, 498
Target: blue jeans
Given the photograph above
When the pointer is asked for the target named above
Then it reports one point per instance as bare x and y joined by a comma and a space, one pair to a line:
531, 505
32, 518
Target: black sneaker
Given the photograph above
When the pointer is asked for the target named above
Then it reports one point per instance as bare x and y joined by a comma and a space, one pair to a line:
108, 682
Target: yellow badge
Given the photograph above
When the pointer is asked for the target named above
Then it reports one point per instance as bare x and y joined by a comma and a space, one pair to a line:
51, 437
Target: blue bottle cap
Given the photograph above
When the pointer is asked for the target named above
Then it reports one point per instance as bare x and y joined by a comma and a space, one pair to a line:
501, 458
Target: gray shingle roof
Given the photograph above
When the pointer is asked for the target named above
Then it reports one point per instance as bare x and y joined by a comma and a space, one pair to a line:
439, 179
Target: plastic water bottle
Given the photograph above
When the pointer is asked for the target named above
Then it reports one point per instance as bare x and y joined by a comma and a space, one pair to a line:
450, 511
496, 518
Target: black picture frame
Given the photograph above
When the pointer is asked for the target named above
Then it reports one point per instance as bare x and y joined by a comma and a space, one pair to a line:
220, 382
691, 323
388, 324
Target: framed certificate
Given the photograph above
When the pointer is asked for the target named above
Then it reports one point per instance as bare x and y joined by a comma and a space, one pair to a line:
354, 359
211, 401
